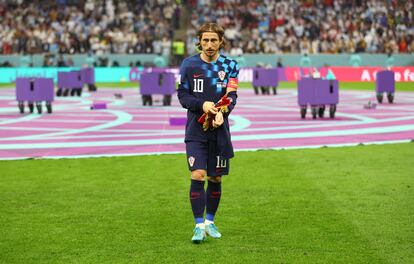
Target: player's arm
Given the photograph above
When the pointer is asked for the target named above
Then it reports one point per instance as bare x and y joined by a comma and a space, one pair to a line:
188, 100
232, 87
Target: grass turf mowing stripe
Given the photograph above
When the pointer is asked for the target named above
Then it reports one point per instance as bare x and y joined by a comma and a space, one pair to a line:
331, 205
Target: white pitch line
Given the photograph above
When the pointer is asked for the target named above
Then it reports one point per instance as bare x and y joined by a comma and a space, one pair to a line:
139, 122
236, 150
132, 136
47, 129
122, 118
120, 143
333, 124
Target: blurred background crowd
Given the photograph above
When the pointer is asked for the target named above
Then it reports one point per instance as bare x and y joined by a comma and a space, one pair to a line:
96, 26
169, 27
318, 26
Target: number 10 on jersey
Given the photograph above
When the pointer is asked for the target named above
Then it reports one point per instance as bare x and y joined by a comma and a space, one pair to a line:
198, 85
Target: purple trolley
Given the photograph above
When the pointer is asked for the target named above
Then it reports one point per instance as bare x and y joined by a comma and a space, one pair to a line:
70, 81
317, 93
88, 77
385, 83
265, 79
34, 91
157, 83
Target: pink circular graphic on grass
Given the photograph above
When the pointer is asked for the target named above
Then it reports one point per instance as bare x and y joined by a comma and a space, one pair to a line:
258, 122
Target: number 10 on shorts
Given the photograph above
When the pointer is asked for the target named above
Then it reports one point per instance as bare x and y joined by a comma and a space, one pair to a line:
221, 163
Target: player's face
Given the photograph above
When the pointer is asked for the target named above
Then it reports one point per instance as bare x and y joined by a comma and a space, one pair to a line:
210, 44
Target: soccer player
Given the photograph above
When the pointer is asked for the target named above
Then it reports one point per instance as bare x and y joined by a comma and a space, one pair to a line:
205, 79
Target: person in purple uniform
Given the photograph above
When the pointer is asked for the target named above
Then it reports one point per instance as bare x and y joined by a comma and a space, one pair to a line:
205, 79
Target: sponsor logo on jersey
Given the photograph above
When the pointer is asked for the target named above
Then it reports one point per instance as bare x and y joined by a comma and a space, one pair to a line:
221, 75
221, 85
197, 75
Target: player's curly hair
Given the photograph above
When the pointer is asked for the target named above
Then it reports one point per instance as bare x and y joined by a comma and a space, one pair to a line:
211, 27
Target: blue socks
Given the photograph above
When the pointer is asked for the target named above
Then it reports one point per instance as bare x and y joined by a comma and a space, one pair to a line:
198, 200
201, 200
213, 194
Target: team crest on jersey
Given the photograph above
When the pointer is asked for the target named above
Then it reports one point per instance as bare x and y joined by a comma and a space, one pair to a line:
191, 160
221, 75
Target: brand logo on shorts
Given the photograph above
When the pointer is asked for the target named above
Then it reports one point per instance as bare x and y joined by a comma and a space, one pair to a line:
191, 161
221, 75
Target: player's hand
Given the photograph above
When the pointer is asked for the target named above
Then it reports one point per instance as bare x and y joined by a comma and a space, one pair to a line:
208, 107
218, 120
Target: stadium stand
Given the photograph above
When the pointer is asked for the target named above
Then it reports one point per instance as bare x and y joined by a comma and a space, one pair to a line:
102, 29
310, 27
91, 26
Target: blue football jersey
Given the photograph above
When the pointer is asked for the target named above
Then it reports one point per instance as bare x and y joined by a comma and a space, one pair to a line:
201, 81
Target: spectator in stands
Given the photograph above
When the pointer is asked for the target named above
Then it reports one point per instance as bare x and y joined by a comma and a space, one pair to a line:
319, 26
355, 60
159, 61
25, 60
178, 51
90, 60
61, 61
389, 62
279, 63
291, 26
241, 61
69, 62
96, 26
6, 64
305, 61
49, 60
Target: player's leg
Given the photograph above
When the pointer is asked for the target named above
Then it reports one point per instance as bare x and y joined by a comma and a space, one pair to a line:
197, 163
217, 166
198, 204
213, 195
197, 195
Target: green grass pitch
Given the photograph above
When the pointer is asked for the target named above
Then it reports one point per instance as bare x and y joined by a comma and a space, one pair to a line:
327, 205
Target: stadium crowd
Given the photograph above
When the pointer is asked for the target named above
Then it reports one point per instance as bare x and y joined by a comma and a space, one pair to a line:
90, 26
309, 26
291, 26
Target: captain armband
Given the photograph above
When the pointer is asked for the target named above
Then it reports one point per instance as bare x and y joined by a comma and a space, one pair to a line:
233, 83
